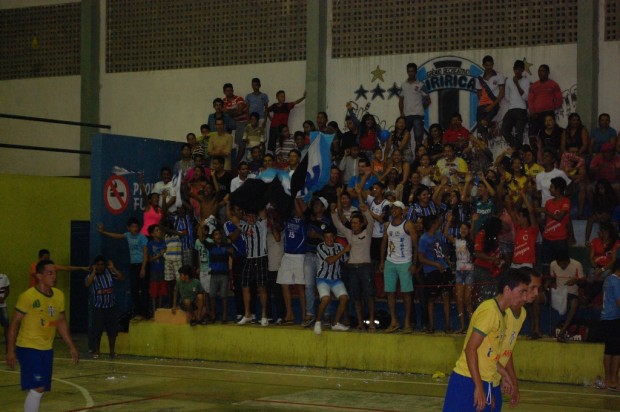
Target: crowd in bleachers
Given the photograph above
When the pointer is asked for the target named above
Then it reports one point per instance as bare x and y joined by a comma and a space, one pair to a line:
427, 210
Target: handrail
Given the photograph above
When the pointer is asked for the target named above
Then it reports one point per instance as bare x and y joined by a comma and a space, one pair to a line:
44, 149
43, 119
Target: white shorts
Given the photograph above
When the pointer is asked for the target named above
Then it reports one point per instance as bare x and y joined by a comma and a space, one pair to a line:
326, 285
171, 269
521, 265
291, 270
205, 281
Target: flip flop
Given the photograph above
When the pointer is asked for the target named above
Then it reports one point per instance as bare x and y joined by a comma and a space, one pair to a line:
288, 322
613, 388
392, 329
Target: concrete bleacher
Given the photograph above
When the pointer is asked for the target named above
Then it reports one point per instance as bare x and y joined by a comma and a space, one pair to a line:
542, 361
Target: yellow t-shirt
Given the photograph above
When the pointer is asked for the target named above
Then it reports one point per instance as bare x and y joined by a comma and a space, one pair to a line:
221, 144
488, 321
514, 323
41, 313
515, 184
534, 169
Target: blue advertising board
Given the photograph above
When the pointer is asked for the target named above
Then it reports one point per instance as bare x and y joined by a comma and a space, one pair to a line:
115, 193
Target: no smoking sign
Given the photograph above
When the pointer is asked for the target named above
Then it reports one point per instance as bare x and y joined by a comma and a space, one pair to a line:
116, 194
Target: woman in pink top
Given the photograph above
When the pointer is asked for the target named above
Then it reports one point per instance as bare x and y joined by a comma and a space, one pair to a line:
152, 212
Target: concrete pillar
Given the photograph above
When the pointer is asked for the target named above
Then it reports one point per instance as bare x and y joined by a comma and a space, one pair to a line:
587, 62
89, 71
316, 49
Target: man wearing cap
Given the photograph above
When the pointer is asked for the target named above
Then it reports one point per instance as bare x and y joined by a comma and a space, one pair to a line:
517, 90
398, 252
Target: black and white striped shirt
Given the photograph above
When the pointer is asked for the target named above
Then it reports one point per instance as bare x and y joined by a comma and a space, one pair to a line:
103, 290
255, 237
327, 271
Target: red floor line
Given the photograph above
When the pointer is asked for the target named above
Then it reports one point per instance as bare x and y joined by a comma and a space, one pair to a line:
350, 408
120, 403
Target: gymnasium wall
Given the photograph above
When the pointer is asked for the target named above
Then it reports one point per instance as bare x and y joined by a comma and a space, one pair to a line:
37, 213
160, 80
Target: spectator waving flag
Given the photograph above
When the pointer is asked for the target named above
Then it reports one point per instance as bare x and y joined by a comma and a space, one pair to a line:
278, 187
313, 171
271, 186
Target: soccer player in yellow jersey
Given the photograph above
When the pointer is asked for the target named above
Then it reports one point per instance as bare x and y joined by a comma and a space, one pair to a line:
515, 317
471, 383
39, 312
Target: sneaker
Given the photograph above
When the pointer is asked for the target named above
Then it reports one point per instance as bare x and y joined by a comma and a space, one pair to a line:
279, 321
244, 320
253, 318
317, 328
264, 322
307, 322
339, 326
239, 317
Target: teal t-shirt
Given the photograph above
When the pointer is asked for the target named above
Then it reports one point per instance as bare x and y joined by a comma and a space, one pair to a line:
203, 254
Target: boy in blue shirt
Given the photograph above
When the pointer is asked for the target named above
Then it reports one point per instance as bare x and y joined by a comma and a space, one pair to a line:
138, 257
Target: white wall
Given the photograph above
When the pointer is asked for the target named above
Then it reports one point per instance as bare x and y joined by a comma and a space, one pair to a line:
168, 104
609, 79
48, 97
346, 75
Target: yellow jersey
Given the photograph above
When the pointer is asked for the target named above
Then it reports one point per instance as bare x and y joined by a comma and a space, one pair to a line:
514, 323
533, 170
41, 313
489, 321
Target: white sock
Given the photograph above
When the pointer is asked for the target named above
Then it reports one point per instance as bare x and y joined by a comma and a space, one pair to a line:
33, 400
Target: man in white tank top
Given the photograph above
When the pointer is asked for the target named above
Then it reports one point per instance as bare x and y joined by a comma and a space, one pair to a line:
397, 257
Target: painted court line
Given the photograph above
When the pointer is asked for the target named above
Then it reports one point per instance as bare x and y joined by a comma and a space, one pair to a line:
83, 391
320, 406
303, 375
105, 405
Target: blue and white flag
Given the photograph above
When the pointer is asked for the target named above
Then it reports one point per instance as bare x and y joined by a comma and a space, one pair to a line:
313, 172
284, 176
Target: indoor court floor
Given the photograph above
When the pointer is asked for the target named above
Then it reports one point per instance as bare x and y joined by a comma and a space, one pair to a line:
154, 384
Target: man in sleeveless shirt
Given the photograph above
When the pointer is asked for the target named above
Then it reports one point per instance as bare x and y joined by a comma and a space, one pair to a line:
397, 256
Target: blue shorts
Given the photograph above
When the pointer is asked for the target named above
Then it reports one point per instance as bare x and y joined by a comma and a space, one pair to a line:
464, 277
325, 286
36, 368
397, 271
460, 395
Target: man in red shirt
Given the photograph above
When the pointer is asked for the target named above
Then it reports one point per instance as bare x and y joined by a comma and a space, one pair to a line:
555, 232
236, 108
606, 165
544, 99
456, 134
526, 232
